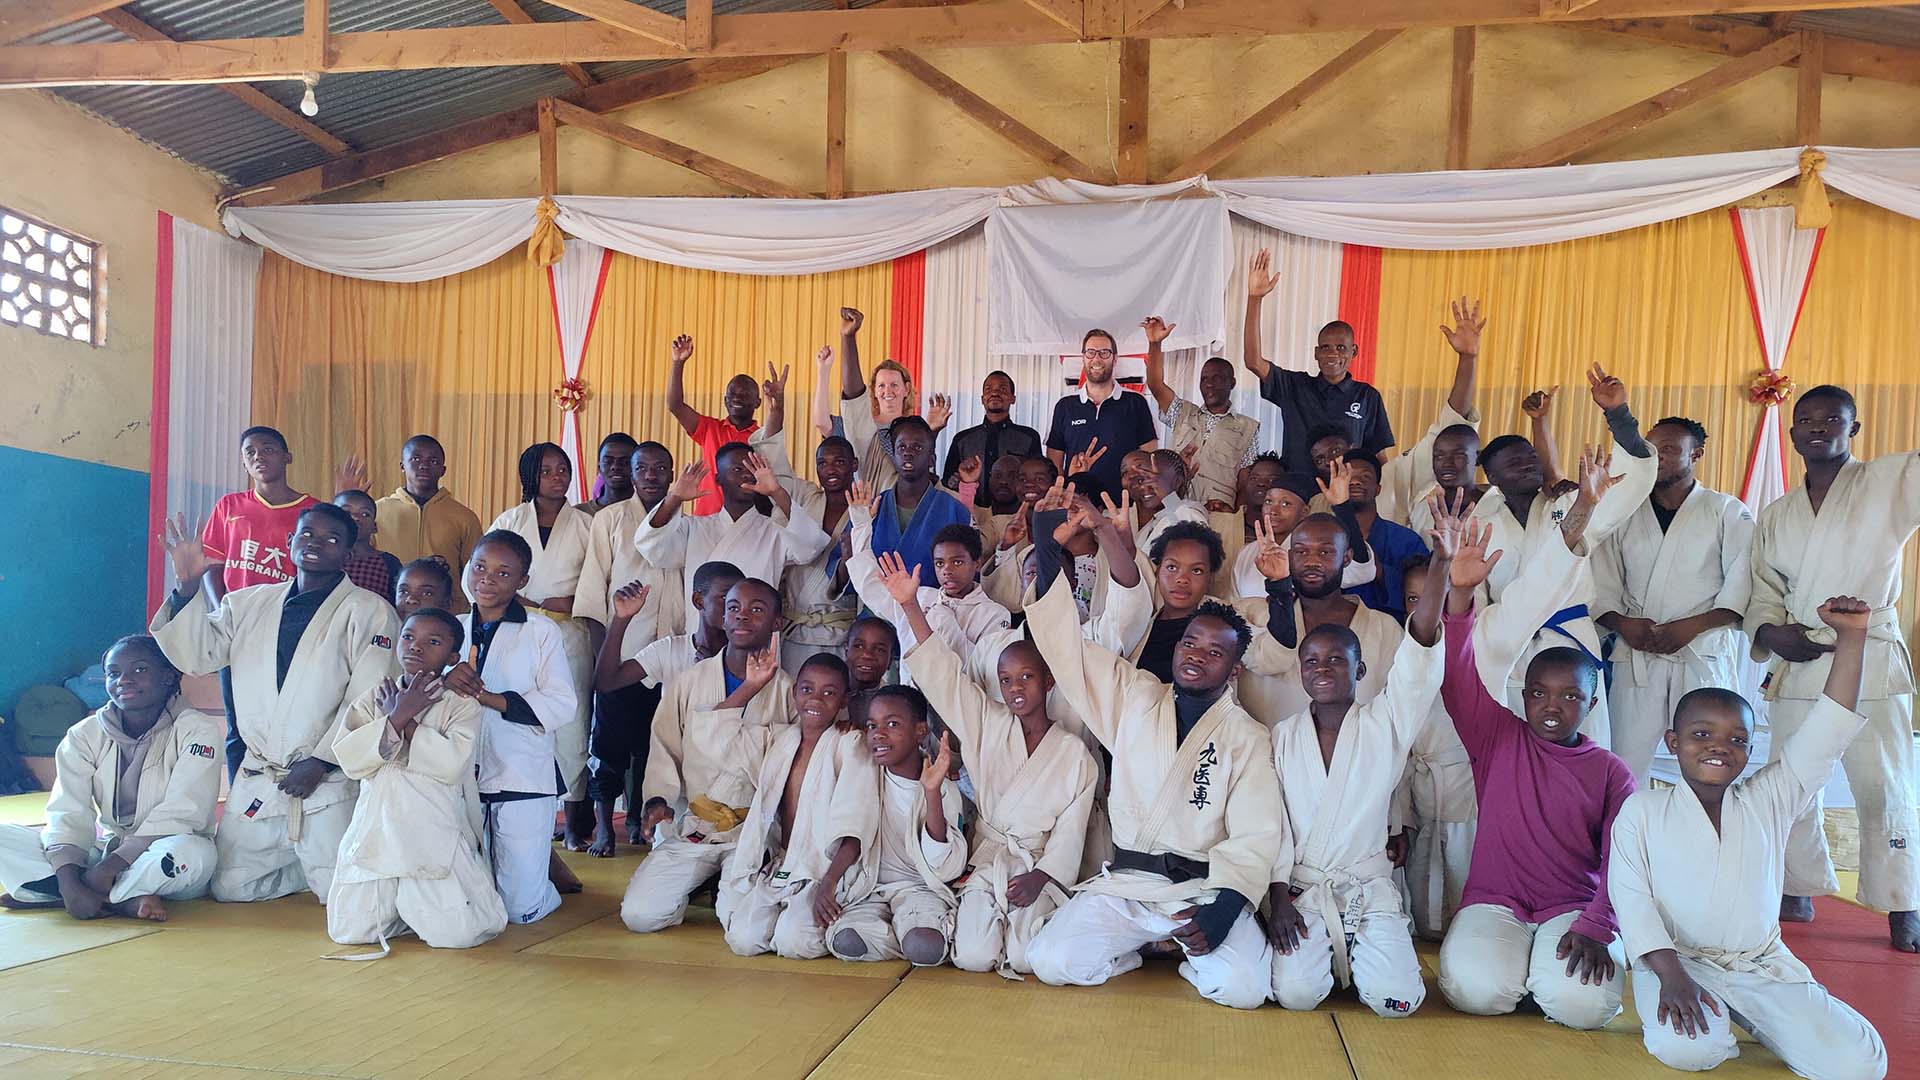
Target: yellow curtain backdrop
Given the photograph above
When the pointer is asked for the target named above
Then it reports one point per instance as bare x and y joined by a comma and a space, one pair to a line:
347, 366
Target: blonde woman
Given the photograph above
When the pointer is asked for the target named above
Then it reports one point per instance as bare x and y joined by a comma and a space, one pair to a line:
866, 413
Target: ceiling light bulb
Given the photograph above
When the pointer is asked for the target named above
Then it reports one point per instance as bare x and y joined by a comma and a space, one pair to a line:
309, 105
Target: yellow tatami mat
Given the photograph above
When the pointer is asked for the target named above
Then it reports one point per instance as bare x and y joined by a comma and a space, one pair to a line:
28, 937
698, 942
70, 1065
1437, 1043
29, 809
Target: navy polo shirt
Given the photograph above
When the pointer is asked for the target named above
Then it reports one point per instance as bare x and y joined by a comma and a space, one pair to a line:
1123, 423
1308, 402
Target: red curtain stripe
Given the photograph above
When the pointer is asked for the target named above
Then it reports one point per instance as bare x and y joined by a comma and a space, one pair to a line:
906, 339
1360, 303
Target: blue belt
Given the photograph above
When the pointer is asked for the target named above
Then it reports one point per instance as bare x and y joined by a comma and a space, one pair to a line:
1566, 615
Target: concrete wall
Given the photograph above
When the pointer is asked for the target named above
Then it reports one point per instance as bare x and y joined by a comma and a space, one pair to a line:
73, 417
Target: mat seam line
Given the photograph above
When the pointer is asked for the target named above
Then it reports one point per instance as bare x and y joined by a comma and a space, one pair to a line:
1352, 1070
841, 1041
180, 1061
147, 932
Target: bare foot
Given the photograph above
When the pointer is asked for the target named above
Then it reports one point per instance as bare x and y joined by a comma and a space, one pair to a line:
1906, 930
8, 901
142, 907
1796, 909
602, 843
562, 875
633, 832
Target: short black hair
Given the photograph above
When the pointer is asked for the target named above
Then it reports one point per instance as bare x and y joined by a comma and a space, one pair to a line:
334, 514
893, 635
1242, 633
837, 442
422, 439
1269, 456
1328, 431
1692, 427
530, 460
510, 540
1343, 636
996, 372
1832, 393
430, 564
1052, 469
1339, 324
1584, 669
965, 535
1089, 484
1326, 519
1194, 531
779, 602
1713, 695
1459, 431
831, 663
141, 641
618, 438
351, 493
1500, 446
708, 573
446, 619
650, 444
1415, 562
262, 429
1357, 456
729, 449
910, 422
916, 701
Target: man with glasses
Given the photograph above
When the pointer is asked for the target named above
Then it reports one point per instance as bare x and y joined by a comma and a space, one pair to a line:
1313, 403
1100, 421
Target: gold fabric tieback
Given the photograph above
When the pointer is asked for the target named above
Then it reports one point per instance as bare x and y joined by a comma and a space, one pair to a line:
547, 243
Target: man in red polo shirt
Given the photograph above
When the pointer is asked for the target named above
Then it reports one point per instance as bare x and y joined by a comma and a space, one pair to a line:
742, 400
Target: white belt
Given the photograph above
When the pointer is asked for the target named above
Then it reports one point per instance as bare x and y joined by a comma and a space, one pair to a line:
1317, 894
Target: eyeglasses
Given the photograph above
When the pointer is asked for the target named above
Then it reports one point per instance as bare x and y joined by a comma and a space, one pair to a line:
1340, 350
1098, 354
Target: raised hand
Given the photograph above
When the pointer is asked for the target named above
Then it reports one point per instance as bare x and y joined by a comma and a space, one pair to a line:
939, 411
1080, 518
1085, 459
1338, 486
764, 482
1057, 497
1847, 614
351, 475
1608, 392
686, 487
860, 494
1260, 276
1470, 563
419, 692
969, 470
850, 321
1595, 474
901, 583
764, 664
1016, 531
824, 358
630, 599
1190, 457
1539, 403
682, 349
185, 551
1270, 556
1118, 514
1464, 336
1449, 519
387, 698
774, 387
933, 772
1157, 328
465, 681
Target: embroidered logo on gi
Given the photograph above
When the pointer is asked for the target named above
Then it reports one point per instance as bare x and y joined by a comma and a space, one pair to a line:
1203, 777
1898, 843
172, 867
695, 837
1396, 1005
382, 641
252, 810
200, 750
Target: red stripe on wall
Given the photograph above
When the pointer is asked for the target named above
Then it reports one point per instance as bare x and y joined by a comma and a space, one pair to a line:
1360, 303
157, 433
906, 340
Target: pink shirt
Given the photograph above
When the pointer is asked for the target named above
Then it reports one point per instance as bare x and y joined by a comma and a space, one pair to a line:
1546, 810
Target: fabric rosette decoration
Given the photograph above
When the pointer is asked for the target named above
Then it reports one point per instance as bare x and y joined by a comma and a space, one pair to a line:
1770, 387
571, 395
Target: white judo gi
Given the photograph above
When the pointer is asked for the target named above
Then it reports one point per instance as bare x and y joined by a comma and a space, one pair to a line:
1033, 811
517, 762
1698, 564
1212, 800
819, 609
271, 845
905, 871
410, 860
1714, 897
556, 571
1407, 479
760, 546
1852, 547
765, 902
699, 751
163, 828
959, 621
1337, 862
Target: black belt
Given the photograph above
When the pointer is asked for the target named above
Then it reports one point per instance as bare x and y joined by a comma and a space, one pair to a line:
1175, 868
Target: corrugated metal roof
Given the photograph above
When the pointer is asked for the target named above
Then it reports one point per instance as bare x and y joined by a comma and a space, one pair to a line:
369, 110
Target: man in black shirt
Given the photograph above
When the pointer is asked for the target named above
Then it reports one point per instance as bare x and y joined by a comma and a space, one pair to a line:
1120, 422
993, 437
1330, 398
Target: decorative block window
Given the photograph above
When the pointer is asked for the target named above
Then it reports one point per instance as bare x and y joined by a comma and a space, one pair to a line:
50, 280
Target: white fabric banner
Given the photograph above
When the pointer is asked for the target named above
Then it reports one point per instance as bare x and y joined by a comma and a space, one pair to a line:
1498, 208
401, 241
210, 380
576, 296
1057, 270
1889, 178
1778, 259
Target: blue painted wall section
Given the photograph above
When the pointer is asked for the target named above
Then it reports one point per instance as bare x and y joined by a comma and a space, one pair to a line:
73, 565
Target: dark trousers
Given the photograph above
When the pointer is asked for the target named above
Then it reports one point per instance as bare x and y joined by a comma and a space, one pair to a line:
622, 731
236, 747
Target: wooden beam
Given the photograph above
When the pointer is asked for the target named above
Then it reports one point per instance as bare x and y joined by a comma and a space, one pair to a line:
1460, 115
131, 25
511, 11
1806, 118
1781, 21
1732, 73
1287, 103
1139, 11
25, 18
314, 34
655, 85
549, 148
633, 18
836, 125
1839, 56
1066, 13
684, 156
872, 28
1135, 56
992, 116
699, 28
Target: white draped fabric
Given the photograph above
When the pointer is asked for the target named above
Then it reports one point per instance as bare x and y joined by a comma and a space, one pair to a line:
1778, 261
210, 374
1440, 210
575, 283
